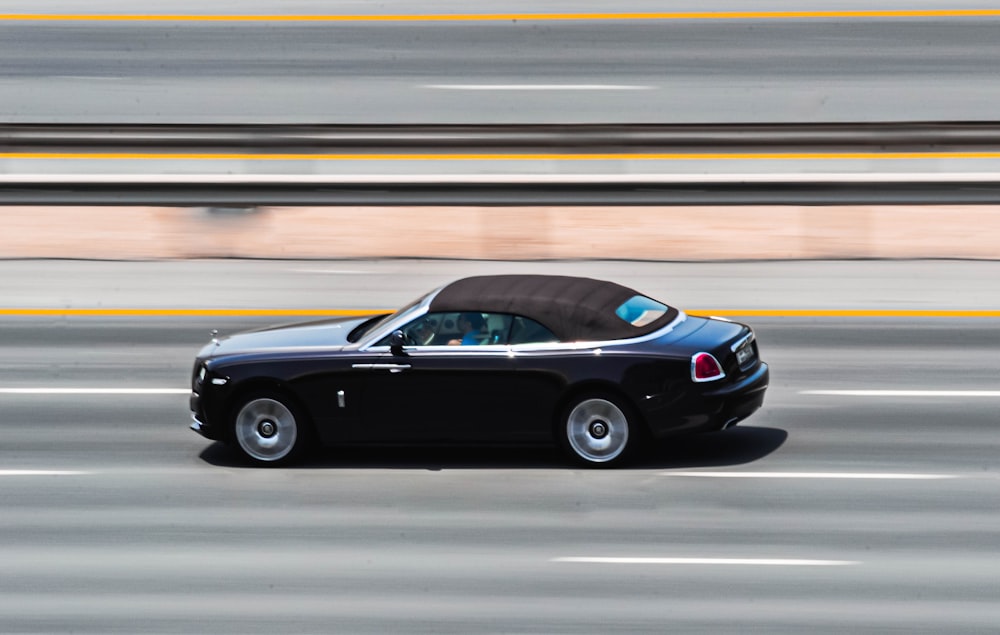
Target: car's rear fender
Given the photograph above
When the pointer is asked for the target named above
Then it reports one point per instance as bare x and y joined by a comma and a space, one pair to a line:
701, 334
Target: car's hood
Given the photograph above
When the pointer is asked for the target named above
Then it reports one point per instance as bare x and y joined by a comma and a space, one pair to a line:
324, 333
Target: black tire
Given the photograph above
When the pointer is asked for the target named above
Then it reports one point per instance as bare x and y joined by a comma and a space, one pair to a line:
268, 429
598, 430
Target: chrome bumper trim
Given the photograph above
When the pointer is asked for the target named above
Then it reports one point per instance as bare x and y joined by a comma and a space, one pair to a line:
196, 424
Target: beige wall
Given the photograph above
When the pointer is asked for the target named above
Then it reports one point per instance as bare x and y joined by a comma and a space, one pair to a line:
655, 233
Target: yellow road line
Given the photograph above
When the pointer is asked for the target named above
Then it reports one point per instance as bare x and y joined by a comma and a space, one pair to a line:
821, 313
521, 156
511, 17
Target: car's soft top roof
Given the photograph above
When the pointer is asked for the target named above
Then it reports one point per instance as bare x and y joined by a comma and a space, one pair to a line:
574, 309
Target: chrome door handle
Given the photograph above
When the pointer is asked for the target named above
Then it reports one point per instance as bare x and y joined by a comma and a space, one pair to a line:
392, 368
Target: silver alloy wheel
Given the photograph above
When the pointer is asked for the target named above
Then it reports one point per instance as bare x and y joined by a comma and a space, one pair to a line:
597, 430
266, 429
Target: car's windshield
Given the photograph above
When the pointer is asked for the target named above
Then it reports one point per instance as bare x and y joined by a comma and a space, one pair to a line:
372, 325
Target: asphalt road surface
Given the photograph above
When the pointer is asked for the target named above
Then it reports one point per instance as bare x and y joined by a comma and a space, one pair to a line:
507, 69
831, 510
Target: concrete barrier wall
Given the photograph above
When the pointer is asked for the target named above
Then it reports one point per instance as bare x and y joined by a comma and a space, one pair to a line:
653, 233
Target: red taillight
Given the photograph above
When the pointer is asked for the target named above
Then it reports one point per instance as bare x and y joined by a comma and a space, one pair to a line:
704, 367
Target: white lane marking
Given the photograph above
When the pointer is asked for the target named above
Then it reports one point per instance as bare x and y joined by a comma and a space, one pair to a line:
761, 562
903, 393
94, 78
336, 271
95, 391
537, 87
42, 473
379, 179
885, 476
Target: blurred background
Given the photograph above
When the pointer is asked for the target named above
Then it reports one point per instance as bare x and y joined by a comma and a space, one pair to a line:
825, 171
661, 130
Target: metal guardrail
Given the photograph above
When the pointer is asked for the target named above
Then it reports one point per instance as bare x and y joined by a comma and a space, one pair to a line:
555, 192
592, 137
251, 190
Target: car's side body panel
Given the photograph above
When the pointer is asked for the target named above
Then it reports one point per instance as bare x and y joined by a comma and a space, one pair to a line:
353, 387
458, 395
491, 394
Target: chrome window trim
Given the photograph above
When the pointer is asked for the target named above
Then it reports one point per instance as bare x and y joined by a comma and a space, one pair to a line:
585, 345
418, 351
526, 348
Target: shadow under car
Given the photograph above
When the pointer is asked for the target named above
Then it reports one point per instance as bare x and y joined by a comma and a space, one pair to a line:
736, 446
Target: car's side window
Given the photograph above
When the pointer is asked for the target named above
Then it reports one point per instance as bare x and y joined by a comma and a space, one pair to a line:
456, 328
527, 331
497, 328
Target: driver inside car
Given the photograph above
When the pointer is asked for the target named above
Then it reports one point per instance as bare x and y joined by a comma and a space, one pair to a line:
471, 325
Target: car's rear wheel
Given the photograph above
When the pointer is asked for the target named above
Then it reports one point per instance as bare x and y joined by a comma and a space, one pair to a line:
267, 429
597, 431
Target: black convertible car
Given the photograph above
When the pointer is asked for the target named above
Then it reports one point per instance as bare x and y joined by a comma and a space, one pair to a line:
513, 359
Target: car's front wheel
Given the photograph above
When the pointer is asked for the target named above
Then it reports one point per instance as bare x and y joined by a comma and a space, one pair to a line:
267, 429
597, 431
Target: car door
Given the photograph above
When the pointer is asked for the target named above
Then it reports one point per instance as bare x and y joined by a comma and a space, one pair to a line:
544, 367
439, 393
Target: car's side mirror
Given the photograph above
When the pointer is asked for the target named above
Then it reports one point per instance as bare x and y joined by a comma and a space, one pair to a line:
396, 342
